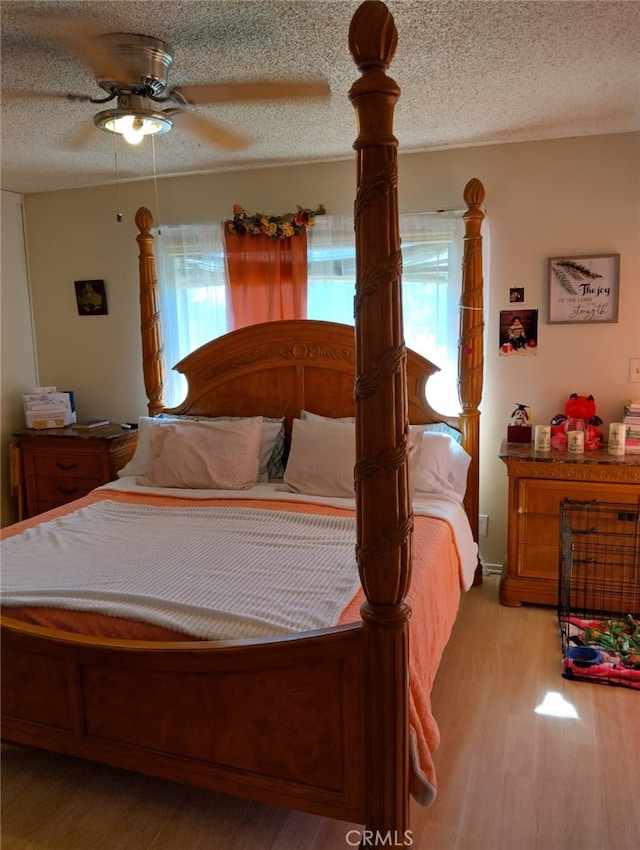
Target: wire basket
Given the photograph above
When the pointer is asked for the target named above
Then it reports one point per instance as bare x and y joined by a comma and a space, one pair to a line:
599, 591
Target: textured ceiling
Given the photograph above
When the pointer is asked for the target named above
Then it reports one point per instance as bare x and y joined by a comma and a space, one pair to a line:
472, 72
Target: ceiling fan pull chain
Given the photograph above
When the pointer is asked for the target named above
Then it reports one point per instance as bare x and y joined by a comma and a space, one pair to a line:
115, 156
155, 184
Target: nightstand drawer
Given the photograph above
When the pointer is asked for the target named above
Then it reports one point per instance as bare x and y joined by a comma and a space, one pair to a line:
542, 498
58, 491
63, 465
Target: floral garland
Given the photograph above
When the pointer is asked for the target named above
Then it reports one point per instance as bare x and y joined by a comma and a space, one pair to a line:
275, 226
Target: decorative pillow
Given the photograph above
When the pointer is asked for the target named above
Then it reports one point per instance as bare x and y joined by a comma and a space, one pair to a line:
273, 447
321, 459
271, 465
204, 455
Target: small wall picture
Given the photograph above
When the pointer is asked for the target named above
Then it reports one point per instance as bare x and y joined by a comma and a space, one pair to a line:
518, 333
583, 290
91, 297
516, 295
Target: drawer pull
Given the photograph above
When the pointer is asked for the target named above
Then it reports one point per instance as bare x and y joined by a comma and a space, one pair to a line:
65, 467
67, 491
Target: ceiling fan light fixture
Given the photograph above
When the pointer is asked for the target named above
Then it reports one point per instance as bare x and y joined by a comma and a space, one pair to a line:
133, 124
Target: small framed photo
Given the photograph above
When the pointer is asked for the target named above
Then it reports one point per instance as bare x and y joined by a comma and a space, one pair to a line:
91, 297
518, 333
583, 290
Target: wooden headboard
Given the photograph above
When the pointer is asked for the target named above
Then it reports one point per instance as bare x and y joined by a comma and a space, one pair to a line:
280, 368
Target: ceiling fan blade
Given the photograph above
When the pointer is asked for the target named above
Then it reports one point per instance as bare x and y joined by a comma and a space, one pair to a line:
81, 137
44, 95
258, 90
77, 34
214, 134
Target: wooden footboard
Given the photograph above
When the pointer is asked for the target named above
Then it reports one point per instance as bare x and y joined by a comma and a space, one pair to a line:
278, 721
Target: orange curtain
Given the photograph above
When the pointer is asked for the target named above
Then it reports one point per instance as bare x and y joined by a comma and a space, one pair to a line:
267, 277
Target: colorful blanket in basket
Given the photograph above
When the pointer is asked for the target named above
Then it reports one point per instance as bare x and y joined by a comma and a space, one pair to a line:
603, 650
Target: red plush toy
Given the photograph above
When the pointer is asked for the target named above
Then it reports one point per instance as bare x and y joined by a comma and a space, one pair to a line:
578, 407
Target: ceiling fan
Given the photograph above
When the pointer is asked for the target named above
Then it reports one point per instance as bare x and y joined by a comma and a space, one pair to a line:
133, 71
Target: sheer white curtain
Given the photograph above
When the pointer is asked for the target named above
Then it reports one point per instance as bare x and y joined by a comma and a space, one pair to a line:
331, 252
432, 246
192, 294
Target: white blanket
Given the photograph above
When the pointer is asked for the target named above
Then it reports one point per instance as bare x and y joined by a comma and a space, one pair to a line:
447, 508
280, 572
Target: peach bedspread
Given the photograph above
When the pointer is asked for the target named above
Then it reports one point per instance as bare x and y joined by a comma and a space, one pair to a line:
434, 598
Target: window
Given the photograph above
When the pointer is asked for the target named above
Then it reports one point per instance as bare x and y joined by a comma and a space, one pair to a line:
193, 298
431, 286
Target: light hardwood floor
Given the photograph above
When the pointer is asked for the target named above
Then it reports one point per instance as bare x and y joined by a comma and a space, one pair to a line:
509, 779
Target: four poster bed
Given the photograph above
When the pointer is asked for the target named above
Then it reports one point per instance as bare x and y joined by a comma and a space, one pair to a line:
323, 717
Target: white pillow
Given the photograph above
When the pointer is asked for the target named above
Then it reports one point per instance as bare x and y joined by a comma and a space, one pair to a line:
143, 455
436, 427
204, 455
438, 463
271, 444
321, 459
442, 467
460, 460
317, 417
443, 428
323, 456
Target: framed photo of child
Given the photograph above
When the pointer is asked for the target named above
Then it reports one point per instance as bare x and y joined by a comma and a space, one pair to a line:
518, 333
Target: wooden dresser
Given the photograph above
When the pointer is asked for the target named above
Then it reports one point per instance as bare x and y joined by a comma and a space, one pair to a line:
60, 464
537, 484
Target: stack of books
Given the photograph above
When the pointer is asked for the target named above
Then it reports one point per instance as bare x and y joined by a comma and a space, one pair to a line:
88, 424
631, 419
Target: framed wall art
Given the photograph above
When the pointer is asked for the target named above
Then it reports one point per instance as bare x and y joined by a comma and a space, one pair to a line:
583, 290
91, 297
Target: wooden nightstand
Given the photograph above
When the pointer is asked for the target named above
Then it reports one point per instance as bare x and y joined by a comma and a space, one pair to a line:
537, 484
60, 464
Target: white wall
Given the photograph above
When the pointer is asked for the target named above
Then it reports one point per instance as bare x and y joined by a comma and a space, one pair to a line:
570, 196
18, 367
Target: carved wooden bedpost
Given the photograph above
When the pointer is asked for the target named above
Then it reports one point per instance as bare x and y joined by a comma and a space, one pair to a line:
383, 501
152, 362
471, 347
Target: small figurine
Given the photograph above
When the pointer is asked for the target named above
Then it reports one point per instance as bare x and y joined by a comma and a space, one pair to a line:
519, 429
521, 415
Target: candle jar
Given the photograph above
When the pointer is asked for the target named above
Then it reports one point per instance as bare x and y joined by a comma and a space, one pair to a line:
617, 438
574, 429
542, 438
